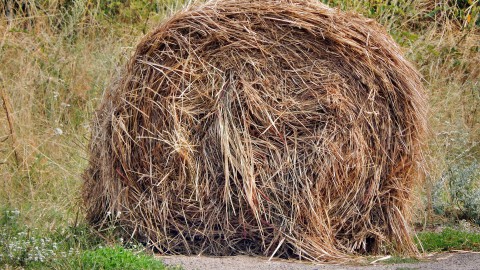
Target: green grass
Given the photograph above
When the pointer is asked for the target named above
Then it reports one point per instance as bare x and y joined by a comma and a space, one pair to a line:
117, 258
65, 248
391, 260
398, 259
449, 239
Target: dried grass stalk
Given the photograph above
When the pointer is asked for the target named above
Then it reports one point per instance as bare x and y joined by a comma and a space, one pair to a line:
280, 128
7, 106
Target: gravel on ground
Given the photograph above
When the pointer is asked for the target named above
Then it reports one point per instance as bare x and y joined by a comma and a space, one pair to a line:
439, 261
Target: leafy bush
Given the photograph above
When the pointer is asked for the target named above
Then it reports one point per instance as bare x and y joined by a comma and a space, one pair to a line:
457, 193
136, 11
128, 10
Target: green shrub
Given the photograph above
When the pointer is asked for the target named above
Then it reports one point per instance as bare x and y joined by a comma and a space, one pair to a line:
457, 193
136, 11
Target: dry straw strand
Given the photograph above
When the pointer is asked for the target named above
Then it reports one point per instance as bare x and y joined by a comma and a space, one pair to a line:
7, 106
282, 128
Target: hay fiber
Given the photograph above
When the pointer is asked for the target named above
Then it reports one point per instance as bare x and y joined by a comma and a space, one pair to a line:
281, 128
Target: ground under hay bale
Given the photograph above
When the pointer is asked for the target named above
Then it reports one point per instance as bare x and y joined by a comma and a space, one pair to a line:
279, 128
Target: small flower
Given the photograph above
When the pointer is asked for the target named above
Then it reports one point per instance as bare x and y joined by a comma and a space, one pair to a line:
58, 131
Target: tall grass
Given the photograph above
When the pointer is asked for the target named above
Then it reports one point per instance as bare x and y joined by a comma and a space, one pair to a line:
57, 57
55, 64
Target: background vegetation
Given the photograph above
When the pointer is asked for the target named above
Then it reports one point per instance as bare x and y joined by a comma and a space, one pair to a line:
58, 56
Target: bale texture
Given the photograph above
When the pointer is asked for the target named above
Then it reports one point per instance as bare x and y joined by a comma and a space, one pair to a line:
282, 128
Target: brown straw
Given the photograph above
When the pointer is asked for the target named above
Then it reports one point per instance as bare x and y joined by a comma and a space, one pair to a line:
281, 128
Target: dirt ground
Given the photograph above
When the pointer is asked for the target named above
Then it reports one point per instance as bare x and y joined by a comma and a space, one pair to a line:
454, 261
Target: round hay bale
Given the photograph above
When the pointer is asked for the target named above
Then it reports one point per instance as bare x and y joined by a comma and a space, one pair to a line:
281, 128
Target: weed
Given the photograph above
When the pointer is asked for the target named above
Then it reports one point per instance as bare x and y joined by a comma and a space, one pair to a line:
23, 247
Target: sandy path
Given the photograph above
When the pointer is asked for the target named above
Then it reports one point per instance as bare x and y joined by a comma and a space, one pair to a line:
454, 261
